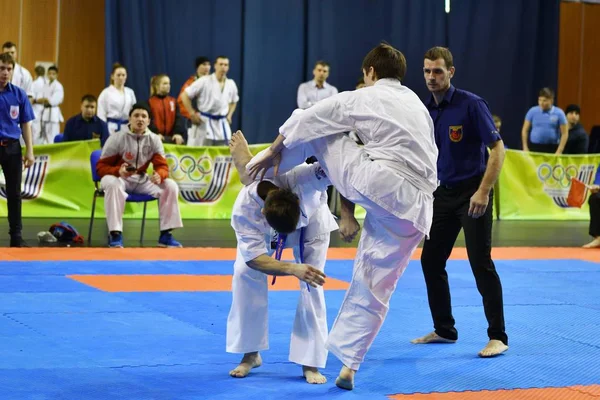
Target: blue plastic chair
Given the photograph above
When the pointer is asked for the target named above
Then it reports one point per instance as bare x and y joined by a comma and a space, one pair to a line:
98, 192
59, 138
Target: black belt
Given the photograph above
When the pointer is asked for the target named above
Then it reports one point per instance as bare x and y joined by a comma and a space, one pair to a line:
7, 142
466, 183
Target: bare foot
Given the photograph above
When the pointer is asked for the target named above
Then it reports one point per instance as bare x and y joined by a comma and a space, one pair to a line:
250, 361
238, 147
593, 244
313, 375
493, 348
431, 338
345, 380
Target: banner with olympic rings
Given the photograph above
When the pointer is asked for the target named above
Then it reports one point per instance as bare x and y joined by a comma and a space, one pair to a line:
535, 186
59, 185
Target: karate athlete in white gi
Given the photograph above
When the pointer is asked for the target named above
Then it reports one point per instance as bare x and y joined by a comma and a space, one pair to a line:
37, 93
262, 214
126, 156
21, 77
116, 100
53, 95
393, 177
217, 99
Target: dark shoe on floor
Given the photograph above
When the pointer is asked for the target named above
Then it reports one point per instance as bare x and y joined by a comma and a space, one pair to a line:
18, 242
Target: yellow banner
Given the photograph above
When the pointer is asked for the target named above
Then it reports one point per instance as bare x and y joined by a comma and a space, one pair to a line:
535, 186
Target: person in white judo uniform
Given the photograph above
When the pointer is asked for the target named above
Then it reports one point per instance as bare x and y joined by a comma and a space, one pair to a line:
125, 158
289, 211
52, 96
21, 77
37, 93
217, 98
393, 176
115, 101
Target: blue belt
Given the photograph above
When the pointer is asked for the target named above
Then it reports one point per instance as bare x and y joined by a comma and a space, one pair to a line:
281, 238
119, 122
217, 118
212, 116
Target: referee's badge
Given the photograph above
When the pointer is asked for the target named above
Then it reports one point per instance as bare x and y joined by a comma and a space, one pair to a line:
455, 133
14, 112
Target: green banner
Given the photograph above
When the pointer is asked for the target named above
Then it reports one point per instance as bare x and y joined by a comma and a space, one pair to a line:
531, 186
59, 185
535, 186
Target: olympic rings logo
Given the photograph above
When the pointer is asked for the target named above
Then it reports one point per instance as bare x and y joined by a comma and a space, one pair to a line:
557, 175
195, 170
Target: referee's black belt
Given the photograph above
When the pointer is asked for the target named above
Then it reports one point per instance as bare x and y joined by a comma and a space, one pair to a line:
4, 142
466, 183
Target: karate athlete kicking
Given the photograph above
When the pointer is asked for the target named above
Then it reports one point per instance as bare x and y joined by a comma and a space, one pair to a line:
294, 204
393, 177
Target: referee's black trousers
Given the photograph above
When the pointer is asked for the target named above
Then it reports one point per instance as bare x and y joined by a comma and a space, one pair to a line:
11, 161
450, 214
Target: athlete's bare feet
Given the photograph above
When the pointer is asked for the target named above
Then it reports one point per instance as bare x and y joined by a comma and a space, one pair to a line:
312, 375
249, 361
345, 380
593, 244
431, 338
238, 147
493, 348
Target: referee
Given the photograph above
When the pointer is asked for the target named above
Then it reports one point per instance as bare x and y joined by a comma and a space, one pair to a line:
467, 172
16, 115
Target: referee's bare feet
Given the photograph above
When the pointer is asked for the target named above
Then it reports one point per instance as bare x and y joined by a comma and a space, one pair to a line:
240, 151
312, 375
431, 338
345, 380
250, 361
593, 244
493, 349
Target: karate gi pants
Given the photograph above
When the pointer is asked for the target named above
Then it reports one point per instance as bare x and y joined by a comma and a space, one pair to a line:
384, 250
248, 323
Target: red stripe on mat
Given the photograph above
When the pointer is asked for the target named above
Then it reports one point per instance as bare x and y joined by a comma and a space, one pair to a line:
211, 253
578, 392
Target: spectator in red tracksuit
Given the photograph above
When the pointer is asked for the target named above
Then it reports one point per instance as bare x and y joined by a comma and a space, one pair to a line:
166, 121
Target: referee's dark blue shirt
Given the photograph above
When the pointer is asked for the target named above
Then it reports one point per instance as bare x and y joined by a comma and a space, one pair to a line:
463, 129
15, 110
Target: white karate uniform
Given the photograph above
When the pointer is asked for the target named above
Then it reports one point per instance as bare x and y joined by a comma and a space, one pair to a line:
138, 151
114, 106
213, 105
22, 78
393, 176
247, 324
37, 92
51, 117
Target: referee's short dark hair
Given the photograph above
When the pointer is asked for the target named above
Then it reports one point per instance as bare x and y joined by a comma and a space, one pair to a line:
437, 52
387, 62
282, 210
7, 59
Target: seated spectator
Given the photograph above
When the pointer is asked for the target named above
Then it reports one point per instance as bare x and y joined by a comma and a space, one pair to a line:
87, 125
578, 138
497, 122
594, 230
165, 119
548, 125
122, 166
